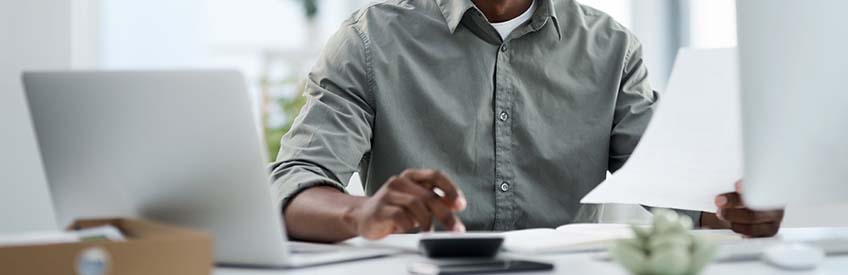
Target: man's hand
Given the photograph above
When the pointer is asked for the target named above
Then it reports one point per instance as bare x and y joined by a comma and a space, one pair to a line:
733, 214
407, 202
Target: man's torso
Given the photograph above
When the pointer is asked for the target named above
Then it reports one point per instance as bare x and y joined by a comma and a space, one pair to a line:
522, 126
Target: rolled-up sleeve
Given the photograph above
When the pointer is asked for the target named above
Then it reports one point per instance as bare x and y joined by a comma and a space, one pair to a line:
333, 131
634, 109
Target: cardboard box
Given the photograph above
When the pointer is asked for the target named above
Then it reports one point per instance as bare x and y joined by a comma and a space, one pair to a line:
150, 248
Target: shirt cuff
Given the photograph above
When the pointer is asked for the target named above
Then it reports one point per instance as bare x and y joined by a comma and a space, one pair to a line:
694, 215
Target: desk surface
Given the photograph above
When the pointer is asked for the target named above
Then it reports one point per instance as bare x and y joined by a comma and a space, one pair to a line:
583, 263
565, 264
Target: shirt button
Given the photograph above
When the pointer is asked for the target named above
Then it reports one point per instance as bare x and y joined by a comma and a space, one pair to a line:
504, 186
503, 116
504, 48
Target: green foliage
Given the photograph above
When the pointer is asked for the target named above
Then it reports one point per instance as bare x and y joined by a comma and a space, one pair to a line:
273, 135
310, 8
290, 106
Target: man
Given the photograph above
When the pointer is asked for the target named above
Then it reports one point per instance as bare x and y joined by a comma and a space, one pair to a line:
479, 114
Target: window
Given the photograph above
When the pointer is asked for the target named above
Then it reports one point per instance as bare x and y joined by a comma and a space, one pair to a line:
712, 23
621, 10
275, 43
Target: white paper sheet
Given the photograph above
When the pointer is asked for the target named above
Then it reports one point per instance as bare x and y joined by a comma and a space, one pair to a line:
37, 238
692, 150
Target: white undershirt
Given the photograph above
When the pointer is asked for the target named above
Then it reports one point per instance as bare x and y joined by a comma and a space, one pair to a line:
506, 27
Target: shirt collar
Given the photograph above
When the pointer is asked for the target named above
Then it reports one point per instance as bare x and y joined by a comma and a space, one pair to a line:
454, 11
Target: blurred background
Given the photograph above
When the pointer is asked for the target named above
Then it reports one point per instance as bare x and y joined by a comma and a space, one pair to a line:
274, 42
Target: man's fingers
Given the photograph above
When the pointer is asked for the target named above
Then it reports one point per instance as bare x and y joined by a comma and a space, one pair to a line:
398, 216
434, 204
441, 211
386, 220
452, 194
729, 200
756, 230
748, 216
415, 207
445, 216
745, 221
379, 232
420, 184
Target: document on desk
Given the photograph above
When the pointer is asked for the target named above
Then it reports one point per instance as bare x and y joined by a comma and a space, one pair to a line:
575, 238
692, 150
568, 238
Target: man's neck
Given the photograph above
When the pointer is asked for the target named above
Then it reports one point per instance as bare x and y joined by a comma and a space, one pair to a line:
502, 10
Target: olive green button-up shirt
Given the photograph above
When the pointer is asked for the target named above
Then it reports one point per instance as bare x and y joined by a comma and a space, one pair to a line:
526, 126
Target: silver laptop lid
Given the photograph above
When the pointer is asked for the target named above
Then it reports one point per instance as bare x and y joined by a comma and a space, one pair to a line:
179, 147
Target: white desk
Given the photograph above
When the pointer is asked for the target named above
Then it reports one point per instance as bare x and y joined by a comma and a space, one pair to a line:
565, 264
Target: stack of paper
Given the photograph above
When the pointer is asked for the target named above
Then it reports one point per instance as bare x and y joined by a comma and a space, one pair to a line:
566, 238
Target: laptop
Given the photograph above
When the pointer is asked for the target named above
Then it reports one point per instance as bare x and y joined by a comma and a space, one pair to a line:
179, 147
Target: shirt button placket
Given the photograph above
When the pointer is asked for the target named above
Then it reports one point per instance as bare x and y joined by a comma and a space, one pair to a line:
504, 187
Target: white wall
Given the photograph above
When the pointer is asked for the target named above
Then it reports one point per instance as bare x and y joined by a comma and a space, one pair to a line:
34, 34
656, 23
712, 23
153, 34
